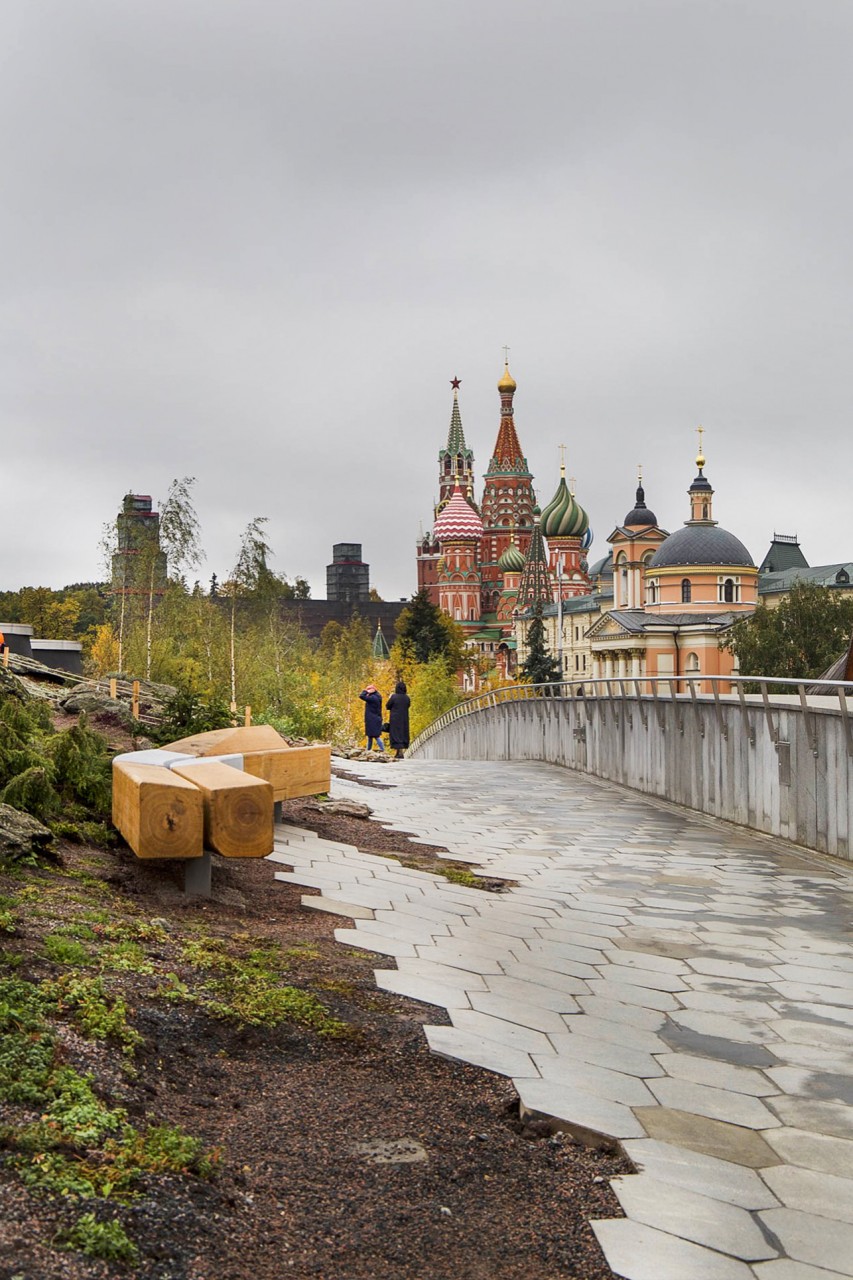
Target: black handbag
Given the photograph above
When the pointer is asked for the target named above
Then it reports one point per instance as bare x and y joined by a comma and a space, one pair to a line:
386, 728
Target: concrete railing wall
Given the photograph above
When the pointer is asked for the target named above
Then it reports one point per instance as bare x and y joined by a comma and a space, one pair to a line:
782, 766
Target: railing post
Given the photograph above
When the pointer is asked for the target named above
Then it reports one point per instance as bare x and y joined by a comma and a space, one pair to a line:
808, 719
771, 728
673, 693
658, 705
626, 708
700, 721
721, 724
641, 706
845, 717
749, 725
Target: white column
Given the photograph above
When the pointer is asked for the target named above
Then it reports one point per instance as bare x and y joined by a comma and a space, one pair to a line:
623, 665
635, 664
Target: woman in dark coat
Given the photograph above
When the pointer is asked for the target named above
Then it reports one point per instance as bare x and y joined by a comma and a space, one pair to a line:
372, 699
398, 706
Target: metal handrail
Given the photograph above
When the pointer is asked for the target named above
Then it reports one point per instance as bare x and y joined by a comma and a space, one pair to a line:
603, 686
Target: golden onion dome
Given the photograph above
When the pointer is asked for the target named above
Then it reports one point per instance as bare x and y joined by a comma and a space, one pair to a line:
507, 382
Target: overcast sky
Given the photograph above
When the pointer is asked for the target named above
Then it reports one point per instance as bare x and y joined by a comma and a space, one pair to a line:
253, 240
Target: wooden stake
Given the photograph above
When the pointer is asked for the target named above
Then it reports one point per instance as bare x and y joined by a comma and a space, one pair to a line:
5, 655
113, 688
134, 706
247, 722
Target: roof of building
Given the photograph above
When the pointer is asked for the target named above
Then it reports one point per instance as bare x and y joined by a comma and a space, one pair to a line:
507, 457
700, 543
641, 515
602, 568
784, 553
512, 560
564, 517
455, 434
380, 644
638, 621
822, 575
457, 520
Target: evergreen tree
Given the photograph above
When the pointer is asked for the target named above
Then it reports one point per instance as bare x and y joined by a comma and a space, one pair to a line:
800, 638
424, 632
539, 666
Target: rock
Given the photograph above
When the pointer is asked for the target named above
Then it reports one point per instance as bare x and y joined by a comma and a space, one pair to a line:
21, 835
341, 808
143, 744
85, 699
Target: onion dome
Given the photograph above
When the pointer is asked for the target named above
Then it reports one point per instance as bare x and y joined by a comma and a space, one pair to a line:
699, 544
512, 560
587, 540
507, 382
458, 520
564, 517
641, 515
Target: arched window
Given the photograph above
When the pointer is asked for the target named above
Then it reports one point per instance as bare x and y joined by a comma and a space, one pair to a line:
728, 591
652, 591
622, 571
704, 511
691, 664
686, 591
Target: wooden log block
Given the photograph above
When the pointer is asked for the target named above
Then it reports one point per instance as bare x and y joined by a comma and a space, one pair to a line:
238, 808
159, 814
293, 771
233, 741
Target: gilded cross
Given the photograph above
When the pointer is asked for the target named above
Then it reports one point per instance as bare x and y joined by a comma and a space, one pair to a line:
506, 356
572, 485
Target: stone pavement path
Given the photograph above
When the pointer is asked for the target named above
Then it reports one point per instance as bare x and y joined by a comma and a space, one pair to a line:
671, 983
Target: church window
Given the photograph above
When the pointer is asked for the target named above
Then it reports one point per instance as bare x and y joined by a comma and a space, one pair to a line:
691, 665
727, 590
652, 591
704, 511
686, 591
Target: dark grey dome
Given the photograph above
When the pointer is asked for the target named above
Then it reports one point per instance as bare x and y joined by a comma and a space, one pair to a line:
701, 544
641, 515
701, 482
602, 567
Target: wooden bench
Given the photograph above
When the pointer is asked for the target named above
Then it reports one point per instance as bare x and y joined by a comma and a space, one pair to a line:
219, 791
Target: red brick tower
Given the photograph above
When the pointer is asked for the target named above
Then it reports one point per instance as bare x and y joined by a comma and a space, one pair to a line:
508, 500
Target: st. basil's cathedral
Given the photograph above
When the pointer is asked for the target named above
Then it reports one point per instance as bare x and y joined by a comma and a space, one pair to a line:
484, 564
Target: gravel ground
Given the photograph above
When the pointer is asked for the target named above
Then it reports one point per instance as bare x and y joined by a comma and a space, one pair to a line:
298, 1193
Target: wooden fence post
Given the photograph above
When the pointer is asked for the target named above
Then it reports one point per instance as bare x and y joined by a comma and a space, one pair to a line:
113, 688
247, 721
134, 706
5, 655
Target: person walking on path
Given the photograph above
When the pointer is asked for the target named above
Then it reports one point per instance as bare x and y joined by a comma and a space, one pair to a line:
372, 700
398, 707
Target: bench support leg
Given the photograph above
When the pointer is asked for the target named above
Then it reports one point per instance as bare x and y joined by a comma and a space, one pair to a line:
197, 876
276, 811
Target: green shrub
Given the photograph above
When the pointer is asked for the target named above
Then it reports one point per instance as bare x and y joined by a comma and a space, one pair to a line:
33, 792
106, 1240
83, 766
99, 1015
185, 713
64, 950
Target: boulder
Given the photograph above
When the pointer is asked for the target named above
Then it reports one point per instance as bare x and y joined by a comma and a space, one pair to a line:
341, 808
84, 698
21, 836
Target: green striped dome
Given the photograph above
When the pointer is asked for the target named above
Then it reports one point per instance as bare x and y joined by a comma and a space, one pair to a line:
564, 517
512, 560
